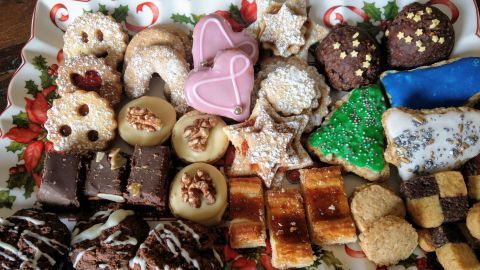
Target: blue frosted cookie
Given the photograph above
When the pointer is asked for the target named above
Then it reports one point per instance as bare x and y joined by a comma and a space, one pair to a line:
446, 84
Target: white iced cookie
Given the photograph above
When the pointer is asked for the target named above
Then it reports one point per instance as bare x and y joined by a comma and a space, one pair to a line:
198, 137
429, 141
146, 121
199, 193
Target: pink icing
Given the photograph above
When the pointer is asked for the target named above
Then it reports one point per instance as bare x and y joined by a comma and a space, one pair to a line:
224, 89
213, 34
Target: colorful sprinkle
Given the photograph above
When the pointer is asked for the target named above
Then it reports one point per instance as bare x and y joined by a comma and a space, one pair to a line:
354, 131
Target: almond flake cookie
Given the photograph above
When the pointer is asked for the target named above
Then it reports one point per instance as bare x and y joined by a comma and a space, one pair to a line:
429, 141
164, 61
79, 122
164, 34
90, 74
96, 34
292, 87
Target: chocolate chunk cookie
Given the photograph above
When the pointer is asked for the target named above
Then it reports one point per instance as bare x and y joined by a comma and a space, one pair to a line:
419, 35
350, 57
33, 239
108, 239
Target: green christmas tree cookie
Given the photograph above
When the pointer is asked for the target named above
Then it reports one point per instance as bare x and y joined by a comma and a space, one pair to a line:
352, 135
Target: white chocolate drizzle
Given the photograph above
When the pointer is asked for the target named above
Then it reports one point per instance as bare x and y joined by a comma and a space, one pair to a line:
31, 220
94, 231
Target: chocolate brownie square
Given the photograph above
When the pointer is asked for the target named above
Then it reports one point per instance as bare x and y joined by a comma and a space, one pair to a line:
62, 174
147, 184
106, 176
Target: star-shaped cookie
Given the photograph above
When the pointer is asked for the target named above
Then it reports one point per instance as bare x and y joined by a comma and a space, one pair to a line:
283, 32
268, 144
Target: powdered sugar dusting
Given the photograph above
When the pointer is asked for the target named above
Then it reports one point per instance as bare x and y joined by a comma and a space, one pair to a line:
64, 111
284, 30
163, 60
83, 38
111, 88
290, 90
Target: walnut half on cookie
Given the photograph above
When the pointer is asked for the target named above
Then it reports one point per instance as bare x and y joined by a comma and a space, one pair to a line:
198, 137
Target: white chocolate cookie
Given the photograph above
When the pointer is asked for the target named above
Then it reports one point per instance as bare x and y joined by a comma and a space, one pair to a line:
96, 34
201, 208
199, 137
80, 122
146, 121
428, 141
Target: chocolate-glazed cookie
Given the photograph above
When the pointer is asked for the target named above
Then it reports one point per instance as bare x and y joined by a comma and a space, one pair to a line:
419, 35
33, 239
350, 57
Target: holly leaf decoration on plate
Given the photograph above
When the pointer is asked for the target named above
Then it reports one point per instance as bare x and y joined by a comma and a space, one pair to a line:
372, 11
390, 10
21, 120
185, 19
6, 200
235, 14
120, 13
22, 179
102, 9
32, 87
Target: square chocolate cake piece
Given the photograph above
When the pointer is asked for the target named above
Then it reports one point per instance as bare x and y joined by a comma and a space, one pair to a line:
62, 174
106, 176
147, 184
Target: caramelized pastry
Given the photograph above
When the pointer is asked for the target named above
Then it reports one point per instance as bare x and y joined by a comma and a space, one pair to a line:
289, 237
328, 213
247, 211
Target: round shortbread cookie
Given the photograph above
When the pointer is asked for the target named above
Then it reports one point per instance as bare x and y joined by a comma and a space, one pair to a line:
371, 202
79, 122
388, 241
96, 34
89, 73
164, 61
473, 220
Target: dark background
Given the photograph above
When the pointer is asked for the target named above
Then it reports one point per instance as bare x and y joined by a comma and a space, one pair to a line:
15, 18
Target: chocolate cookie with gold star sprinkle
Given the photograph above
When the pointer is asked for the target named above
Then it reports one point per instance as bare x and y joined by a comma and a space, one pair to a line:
352, 135
350, 57
419, 35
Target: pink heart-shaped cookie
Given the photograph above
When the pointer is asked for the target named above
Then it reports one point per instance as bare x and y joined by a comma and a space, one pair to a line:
213, 34
224, 89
